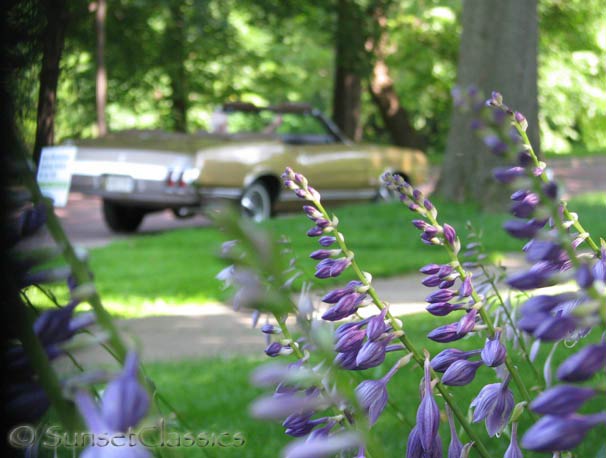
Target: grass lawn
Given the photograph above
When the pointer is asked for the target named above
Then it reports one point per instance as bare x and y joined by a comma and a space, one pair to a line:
152, 274
213, 396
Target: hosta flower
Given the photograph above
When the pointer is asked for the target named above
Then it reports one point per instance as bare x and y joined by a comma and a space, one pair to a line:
493, 404
584, 364
461, 372
446, 358
372, 394
561, 400
428, 414
513, 451
552, 433
494, 352
455, 447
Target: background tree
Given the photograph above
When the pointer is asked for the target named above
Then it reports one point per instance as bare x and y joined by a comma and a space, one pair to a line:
498, 51
56, 15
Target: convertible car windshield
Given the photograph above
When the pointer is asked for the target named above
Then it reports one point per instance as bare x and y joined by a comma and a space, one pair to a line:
293, 124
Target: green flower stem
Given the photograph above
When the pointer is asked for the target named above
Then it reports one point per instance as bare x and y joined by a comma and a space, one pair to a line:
513, 326
417, 355
46, 375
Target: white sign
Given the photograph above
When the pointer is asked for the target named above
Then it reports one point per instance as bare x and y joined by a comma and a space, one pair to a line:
55, 172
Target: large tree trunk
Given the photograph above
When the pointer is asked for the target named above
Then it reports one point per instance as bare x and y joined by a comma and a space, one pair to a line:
498, 52
100, 16
175, 40
382, 91
53, 39
350, 66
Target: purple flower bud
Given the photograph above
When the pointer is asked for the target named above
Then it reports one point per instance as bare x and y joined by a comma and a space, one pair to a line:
327, 240
417, 195
430, 269
324, 254
299, 424
494, 352
273, 349
599, 268
431, 281
450, 235
52, 326
335, 295
466, 287
531, 279
301, 193
445, 333
442, 308
524, 158
553, 433
446, 284
521, 120
443, 295
270, 329
445, 358
561, 400
507, 175
372, 396
497, 146
332, 267
445, 271
542, 250
371, 354
495, 404
513, 451
545, 303
496, 99
461, 372
584, 276
351, 341
376, 326
523, 229
419, 224
582, 365
531, 321
428, 205
428, 414
430, 231
413, 445
346, 306
551, 190
467, 322
555, 328
348, 327
525, 207
455, 447
315, 231
347, 360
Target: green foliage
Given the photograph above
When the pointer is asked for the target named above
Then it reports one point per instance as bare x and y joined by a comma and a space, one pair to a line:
178, 268
272, 51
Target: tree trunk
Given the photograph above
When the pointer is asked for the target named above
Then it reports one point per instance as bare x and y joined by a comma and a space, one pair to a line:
101, 71
498, 51
175, 40
350, 66
53, 40
381, 87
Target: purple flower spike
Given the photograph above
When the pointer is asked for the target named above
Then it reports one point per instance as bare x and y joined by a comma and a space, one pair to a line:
445, 358
494, 352
495, 404
553, 433
461, 372
428, 414
582, 365
507, 175
561, 400
513, 451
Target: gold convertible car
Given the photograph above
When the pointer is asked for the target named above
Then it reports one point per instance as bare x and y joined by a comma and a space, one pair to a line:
139, 172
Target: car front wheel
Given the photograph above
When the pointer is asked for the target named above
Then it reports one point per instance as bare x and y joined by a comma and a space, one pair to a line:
122, 218
256, 202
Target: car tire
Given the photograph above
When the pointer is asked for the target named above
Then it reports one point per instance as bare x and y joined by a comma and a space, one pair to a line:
122, 218
256, 202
